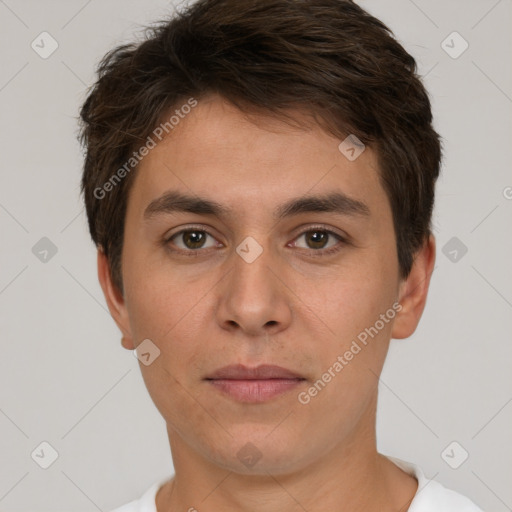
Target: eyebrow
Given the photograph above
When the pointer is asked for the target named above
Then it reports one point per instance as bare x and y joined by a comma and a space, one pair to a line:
335, 202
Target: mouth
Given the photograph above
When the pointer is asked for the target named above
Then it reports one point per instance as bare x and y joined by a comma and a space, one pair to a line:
254, 385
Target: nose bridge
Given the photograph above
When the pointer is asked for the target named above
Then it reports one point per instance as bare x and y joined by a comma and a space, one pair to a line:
252, 279
252, 298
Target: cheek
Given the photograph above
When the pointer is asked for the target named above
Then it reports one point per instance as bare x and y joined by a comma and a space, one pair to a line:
351, 298
171, 309
158, 297
151, 312
350, 361
159, 310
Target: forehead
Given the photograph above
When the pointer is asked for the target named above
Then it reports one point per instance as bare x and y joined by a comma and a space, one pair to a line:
218, 151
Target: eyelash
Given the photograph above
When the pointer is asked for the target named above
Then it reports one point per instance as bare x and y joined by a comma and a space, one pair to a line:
313, 252
342, 241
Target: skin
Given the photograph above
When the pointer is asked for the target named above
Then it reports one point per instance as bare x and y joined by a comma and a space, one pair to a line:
293, 307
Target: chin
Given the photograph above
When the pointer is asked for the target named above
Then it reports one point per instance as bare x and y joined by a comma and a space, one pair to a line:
261, 454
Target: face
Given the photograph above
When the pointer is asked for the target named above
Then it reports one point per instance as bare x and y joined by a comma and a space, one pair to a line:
245, 271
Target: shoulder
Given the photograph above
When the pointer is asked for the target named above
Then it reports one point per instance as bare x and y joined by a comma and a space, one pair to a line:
146, 503
432, 496
435, 497
133, 506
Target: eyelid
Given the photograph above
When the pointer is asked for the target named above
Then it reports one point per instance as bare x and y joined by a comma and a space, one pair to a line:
191, 227
343, 240
322, 227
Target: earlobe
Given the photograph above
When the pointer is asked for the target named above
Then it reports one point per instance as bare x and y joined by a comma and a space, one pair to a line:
414, 290
115, 300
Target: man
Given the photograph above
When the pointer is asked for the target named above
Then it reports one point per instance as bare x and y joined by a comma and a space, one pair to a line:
259, 181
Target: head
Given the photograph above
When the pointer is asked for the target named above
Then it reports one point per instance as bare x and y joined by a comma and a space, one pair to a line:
232, 120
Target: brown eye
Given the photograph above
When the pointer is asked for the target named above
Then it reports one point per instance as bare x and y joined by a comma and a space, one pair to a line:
318, 239
191, 239
194, 239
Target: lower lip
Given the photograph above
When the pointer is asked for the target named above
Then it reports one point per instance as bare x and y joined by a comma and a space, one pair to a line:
255, 391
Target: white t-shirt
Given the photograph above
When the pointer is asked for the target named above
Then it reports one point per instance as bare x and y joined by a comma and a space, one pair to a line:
431, 496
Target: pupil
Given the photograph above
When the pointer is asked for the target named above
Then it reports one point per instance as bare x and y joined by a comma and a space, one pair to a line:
194, 239
318, 238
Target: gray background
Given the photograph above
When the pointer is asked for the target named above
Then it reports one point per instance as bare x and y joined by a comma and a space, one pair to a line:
66, 380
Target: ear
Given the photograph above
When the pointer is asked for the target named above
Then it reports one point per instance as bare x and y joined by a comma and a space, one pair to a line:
115, 300
413, 291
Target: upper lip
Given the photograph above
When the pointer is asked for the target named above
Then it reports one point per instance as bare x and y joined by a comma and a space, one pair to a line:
264, 371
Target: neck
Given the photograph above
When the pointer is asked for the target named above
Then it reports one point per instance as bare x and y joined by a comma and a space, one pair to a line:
352, 475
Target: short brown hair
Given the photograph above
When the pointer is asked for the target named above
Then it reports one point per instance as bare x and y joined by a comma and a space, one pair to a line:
329, 58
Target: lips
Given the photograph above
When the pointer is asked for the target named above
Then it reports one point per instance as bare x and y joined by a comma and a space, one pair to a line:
254, 385
262, 372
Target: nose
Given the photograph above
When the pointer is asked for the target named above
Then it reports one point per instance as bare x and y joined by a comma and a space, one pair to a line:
253, 298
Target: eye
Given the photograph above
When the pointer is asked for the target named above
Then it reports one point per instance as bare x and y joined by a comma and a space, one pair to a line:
192, 239
319, 239
316, 239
